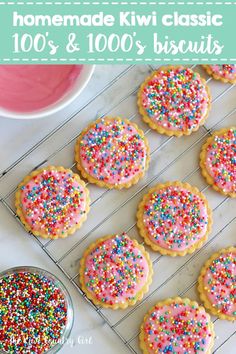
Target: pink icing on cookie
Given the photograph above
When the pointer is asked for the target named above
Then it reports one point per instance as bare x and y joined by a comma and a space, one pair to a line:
175, 218
220, 283
175, 99
224, 71
115, 270
53, 202
113, 151
221, 160
177, 328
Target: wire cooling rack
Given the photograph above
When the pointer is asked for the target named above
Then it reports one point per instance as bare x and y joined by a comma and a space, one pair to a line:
114, 211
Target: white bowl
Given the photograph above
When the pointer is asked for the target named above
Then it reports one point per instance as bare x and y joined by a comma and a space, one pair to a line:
78, 86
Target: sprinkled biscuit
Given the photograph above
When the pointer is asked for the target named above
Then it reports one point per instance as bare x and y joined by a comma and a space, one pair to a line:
115, 271
34, 312
52, 202
174, 218
218, 161
113, 153
217, 284
177, 326
174, 100
224, 72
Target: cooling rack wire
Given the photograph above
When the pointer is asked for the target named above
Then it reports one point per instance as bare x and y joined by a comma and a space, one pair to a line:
114, 211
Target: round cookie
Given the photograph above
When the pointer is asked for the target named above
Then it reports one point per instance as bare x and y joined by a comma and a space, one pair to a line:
217, 284
174, 218
177, 326
224, 72
36, 312
52, 202
115, 272
112, 152
174, 100
218, 161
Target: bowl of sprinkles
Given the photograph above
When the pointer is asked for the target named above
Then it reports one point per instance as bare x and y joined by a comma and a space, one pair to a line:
36, 312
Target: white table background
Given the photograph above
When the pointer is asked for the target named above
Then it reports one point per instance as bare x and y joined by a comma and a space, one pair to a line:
112, 90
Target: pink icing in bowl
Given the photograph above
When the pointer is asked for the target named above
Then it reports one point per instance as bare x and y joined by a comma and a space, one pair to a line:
36, 91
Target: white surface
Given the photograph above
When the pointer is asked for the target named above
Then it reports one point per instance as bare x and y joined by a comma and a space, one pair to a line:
112, 90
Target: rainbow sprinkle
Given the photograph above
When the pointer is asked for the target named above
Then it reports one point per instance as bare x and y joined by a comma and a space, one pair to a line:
225, 71
115, 270
33, 313
113, 151
175, 99
53, 202
175, 217
177, 328
221, 160
220, 283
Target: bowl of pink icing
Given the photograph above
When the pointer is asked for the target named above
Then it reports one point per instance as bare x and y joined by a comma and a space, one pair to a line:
37, 91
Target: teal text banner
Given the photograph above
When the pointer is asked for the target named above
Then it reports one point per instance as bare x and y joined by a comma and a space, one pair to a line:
117, 32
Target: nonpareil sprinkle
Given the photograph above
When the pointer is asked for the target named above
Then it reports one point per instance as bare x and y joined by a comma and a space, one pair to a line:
33, 313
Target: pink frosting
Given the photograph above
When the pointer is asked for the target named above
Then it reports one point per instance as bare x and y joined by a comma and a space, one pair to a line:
175, 99
175, 218
53, 201
115, 270
113, 151
28, 88
220, 283
177, 328
221, 160
224, 71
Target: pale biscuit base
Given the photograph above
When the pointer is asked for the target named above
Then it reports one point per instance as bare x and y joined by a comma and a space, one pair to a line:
144, 232
218, 77
177, 300
116, 306
21, 214
206, 302
103, 184
210, 180
155, 126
